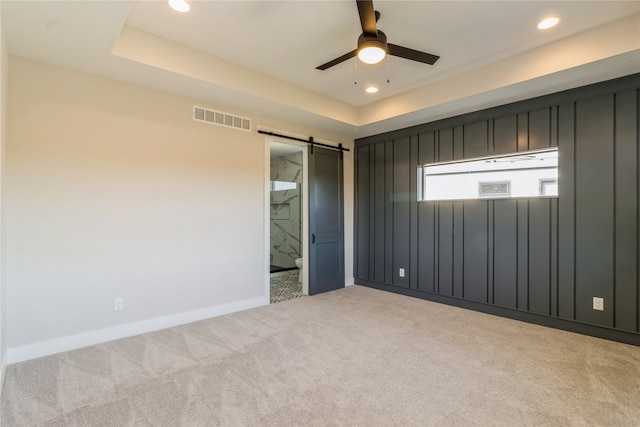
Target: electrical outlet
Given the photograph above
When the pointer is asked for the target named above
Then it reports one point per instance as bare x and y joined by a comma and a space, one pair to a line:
598, 303
401, 272
118, 304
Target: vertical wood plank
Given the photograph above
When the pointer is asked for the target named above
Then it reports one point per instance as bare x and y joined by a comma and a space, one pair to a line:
554, 126
566, 211
427, 248
380, 196
372, 212
401, 210
553, 275
491, 146
626, 208
458, 220
458, 249
412, 270
539, 129
445, 248
539, 256
490, 251
523, 254
505, 136
426, 221
436, 244
594, 209
388, 212
523, 131
475, 139
445, 145
362, 214
458, 143
505, 239
475, 250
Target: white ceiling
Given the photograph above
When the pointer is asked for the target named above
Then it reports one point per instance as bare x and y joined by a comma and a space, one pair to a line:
259, 57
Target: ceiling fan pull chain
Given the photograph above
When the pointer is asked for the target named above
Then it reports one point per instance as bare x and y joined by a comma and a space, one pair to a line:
388, 71
355, 73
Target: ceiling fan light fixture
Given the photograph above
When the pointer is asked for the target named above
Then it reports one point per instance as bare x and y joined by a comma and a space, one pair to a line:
371, 54
372, 50
179, 5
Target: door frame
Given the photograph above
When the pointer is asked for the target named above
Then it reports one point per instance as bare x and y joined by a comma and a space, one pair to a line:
267, 212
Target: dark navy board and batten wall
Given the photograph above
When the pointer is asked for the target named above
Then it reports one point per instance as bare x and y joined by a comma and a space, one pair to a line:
540, 260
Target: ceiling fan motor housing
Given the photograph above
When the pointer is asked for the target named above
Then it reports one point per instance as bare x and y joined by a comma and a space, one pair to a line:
379, 41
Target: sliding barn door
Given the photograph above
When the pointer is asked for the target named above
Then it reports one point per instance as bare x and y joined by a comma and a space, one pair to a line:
326, 220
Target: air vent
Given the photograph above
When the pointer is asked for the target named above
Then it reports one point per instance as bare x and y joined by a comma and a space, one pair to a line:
221, 119
495, 189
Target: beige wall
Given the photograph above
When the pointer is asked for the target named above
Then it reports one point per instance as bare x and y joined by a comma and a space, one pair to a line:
4, 78
114, 191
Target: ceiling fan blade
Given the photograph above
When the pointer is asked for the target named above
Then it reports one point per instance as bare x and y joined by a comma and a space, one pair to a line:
338, 60
367, 17
413, 55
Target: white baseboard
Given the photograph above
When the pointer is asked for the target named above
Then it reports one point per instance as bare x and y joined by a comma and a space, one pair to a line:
349, 281
72, 342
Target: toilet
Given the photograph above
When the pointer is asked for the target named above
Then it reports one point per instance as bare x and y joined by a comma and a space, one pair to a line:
299, 265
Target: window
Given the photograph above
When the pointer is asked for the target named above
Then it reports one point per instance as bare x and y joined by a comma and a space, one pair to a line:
524, 174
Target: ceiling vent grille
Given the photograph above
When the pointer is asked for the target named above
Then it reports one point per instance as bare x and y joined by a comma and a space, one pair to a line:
220, 118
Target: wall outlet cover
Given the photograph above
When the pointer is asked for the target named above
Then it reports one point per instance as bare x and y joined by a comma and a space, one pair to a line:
118, 304
401, 272
598, 303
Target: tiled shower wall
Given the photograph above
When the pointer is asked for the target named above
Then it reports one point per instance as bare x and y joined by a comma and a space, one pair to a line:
286, 225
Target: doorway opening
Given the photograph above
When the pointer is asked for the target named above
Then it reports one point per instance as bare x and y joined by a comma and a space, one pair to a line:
286, 225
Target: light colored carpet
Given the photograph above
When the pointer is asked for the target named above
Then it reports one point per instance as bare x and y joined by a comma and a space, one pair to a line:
355, 356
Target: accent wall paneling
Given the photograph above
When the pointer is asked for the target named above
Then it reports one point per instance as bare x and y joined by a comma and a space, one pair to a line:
540, 260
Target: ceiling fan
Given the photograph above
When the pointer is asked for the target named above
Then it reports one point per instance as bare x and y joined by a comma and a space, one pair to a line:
372, 43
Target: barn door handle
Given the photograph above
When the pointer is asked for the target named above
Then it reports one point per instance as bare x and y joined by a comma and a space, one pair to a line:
313, 238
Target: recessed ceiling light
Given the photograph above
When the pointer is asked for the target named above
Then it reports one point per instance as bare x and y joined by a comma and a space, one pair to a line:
179, 5
548, 23
371, 89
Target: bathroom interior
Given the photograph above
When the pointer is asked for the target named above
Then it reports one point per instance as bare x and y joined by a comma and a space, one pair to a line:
285, 220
